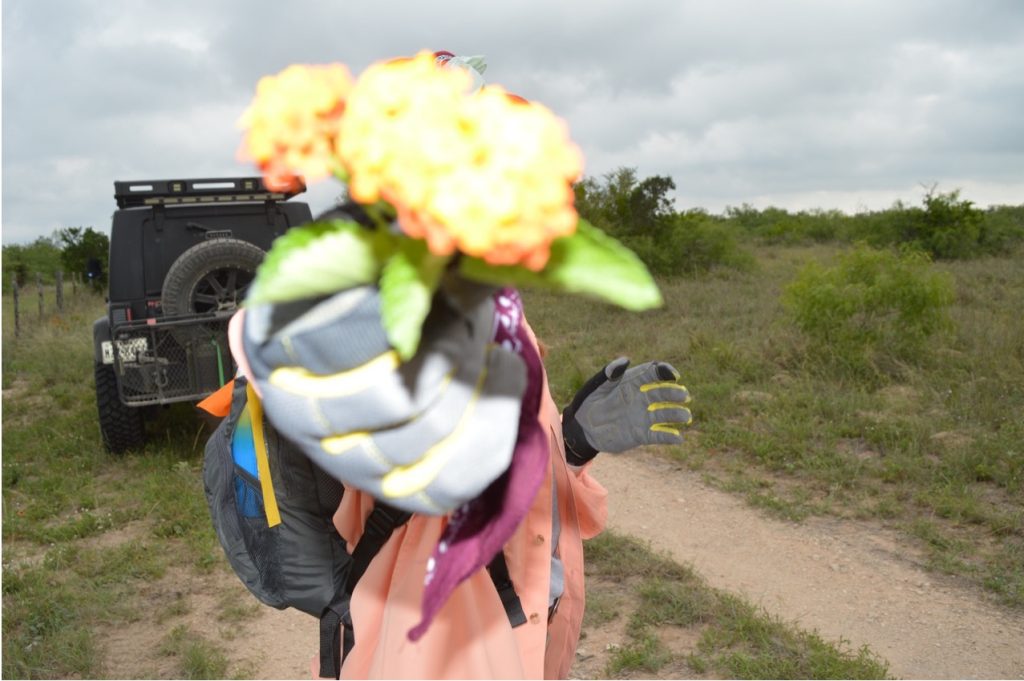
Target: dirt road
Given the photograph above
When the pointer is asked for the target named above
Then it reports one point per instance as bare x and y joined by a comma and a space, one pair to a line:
845, 580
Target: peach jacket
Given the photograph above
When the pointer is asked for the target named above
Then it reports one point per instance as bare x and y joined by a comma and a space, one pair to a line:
470, 636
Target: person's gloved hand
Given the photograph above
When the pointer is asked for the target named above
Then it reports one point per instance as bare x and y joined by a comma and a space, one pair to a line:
425, 436
621, 408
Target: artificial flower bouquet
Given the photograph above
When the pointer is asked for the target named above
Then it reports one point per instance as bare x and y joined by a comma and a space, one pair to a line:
479, 183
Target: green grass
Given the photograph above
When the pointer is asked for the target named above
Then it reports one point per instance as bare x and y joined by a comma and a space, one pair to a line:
86, 533
196, 657
932, 447
733, 638
936, 438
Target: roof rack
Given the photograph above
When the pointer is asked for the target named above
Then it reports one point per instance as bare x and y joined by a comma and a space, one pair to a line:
205, 190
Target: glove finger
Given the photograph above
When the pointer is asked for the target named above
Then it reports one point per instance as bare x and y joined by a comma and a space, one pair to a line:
356, 462
360, 439
381, 395
458, 396
666, 372
336, 334
379, 392
483, 444
432, 463
671, 415
616, 368
665, 436
456, 458
647, 373
665, 392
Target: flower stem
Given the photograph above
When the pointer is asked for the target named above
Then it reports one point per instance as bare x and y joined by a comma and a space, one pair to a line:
340, 172
382, 214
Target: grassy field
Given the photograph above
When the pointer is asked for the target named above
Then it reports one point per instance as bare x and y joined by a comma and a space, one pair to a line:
933, 447
85, 533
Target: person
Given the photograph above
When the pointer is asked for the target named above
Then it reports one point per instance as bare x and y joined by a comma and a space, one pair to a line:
467, 438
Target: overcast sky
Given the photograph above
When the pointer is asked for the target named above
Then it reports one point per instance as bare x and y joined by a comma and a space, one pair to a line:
840, 104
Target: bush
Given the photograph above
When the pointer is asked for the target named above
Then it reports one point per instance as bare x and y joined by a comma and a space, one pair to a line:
885, 227
778, 226
950, 227
1002, 228
871, 303
945, 226
26, 261
694, 242
86, 252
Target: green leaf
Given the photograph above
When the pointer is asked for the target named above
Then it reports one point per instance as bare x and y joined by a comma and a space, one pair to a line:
319, 259
407, 286
589, 261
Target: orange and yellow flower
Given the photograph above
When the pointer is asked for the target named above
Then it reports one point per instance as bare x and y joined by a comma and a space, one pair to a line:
483, 174
489, 175
292, 124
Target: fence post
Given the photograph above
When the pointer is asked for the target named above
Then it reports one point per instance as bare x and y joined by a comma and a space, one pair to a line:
39, 285
60, 290
17, 313
74, 284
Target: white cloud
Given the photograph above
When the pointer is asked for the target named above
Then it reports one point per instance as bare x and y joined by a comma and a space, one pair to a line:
791, 103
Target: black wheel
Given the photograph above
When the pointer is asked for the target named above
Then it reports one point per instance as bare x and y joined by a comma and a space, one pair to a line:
212, 276
121, 426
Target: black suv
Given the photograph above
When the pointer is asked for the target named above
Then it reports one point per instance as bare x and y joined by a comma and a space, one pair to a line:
182, 255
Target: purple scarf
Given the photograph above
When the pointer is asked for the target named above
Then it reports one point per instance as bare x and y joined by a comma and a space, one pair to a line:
481, 527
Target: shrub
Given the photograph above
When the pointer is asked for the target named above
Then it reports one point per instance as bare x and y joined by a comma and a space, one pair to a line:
1002, 228
885, 227
950, 227
694, 242
778, 226
26, 261
871, 303
945, 226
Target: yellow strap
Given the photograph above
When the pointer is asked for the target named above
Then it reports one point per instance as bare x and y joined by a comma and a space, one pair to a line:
262, 462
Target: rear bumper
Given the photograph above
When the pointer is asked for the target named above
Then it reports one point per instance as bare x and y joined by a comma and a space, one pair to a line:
169, 360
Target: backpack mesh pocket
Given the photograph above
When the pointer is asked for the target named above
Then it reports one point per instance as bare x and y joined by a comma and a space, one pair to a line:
248, 495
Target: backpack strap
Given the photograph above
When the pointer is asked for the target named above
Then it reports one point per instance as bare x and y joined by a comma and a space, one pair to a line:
380, 524
336, 633
498, 569
337, 637
255, 407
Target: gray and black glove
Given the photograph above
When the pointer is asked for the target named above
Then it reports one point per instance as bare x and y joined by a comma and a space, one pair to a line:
426, 435
621, 408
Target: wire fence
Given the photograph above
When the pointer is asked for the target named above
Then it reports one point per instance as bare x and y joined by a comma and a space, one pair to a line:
50, 299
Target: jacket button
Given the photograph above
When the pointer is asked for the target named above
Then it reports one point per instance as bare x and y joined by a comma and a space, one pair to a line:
534, 618
539, 539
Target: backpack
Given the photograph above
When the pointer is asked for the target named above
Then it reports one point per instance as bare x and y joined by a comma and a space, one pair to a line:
273, 509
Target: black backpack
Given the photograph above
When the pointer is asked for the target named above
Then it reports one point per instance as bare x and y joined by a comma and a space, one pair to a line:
273, 508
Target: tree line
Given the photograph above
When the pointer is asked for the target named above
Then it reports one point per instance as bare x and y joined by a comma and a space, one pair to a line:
80, 251
641, 213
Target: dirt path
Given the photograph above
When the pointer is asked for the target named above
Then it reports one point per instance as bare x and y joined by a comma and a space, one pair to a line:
845, 580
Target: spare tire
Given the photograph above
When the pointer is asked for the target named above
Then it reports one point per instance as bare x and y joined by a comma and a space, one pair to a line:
212, 276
